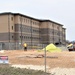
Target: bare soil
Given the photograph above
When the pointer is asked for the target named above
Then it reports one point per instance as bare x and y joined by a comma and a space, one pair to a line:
63, 59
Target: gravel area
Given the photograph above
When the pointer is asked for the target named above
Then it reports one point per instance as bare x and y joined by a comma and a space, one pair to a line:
63, 71
54, 71
34, 67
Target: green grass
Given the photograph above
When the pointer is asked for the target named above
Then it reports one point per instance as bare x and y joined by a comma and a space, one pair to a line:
7, 70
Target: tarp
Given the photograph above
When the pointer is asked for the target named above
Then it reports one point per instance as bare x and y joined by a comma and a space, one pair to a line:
70, 45
52, 48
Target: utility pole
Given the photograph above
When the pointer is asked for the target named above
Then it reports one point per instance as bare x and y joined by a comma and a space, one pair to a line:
45, 60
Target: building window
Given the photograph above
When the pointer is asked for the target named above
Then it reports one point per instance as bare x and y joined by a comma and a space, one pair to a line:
58, 28
12, 18
52, 25
24, 37
12, 36
21, 19
12, 27
24, 20
28, 21
20, 36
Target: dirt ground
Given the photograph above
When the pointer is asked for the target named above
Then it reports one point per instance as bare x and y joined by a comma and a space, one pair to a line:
63, 59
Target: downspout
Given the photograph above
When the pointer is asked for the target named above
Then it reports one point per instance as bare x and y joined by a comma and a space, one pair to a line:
9, 29
21, 31
53, 33
47, 35
31, 33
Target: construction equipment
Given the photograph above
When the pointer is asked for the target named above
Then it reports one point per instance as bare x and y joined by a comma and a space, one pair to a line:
71, 47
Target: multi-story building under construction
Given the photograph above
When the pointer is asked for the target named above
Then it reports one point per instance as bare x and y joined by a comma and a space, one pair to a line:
16, 28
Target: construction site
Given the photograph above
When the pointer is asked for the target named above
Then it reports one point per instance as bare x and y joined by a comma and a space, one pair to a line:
54, 59
36, 44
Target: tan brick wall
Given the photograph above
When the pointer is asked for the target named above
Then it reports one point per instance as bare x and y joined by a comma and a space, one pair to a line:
44, 25
7, 24
26, 21
11, 23
16, 19
3, 23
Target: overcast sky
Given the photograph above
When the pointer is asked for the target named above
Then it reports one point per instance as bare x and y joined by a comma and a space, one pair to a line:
61, 11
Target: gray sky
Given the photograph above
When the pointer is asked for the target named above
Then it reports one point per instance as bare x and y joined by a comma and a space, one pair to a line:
61, 11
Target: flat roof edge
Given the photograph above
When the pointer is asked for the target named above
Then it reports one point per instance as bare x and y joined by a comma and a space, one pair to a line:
40, 20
